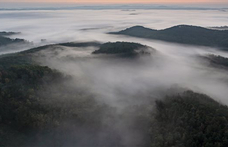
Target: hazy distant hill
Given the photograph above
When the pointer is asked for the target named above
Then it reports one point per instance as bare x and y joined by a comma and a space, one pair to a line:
217, 61
219, 28
185, 34
8, 33
6, 41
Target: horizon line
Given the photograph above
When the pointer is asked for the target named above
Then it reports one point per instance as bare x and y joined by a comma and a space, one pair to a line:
101, 3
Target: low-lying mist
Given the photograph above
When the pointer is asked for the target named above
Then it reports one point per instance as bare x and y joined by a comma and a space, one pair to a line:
114, 78
131, 85
83, 25
128, 86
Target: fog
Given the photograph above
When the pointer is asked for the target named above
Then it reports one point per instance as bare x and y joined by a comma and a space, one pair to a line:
122, 82
68, 25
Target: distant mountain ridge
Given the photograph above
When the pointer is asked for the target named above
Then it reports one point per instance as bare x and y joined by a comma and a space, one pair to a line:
8, 33
184, 34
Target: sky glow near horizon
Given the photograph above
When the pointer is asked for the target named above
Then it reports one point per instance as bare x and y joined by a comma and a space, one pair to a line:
119, 1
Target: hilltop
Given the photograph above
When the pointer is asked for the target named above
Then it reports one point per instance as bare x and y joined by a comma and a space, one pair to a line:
122, 48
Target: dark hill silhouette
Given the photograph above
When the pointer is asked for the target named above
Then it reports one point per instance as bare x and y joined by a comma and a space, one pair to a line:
122, 48
185, 34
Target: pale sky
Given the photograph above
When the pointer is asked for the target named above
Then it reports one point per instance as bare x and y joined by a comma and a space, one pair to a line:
121, 1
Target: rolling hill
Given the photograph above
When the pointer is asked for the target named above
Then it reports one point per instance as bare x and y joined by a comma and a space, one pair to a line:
38, 107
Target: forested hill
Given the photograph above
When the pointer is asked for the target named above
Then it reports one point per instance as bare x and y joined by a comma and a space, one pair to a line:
190, 120
123, 48
185, 34
38, 107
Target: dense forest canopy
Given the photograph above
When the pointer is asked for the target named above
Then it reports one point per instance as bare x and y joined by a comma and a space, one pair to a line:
190, 120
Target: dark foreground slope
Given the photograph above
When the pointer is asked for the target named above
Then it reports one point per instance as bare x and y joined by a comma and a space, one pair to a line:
39, 107
182, 34
190, 120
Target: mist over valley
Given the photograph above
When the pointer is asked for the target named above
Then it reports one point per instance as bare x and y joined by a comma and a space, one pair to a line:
65, 80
